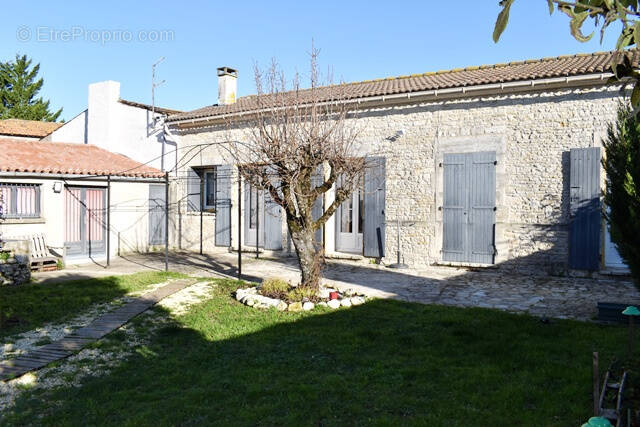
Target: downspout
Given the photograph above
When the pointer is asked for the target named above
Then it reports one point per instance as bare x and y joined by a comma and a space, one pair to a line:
173, 142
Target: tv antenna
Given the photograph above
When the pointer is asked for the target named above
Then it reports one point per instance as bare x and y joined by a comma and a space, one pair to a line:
154, 85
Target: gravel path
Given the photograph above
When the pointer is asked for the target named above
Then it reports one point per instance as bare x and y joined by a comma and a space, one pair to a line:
21, 343
100, 358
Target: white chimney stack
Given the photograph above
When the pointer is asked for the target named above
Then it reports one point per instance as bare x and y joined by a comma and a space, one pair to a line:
227, 85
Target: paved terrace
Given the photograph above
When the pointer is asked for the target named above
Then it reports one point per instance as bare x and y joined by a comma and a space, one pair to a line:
546, 296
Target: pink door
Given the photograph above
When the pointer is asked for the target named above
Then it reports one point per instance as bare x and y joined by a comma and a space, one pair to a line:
85, 222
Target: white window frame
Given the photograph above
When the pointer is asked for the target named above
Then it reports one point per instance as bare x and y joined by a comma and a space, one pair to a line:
205, 181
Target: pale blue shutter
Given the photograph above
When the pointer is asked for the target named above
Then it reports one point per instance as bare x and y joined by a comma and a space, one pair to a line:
272, 221
454, 215
468, 209
223, 205
156, 214
374, 208
482, 205
193, 191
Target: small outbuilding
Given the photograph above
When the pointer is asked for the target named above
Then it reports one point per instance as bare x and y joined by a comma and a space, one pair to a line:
88, 203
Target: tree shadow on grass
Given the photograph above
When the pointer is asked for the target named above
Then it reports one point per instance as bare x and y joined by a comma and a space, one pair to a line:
31, 305
386, 362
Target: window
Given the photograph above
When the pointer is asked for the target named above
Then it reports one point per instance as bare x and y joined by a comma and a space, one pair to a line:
19, 200
209, 189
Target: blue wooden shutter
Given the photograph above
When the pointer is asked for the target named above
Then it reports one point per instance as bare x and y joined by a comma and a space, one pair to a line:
468, 209
454, 205
584, 208
374, 208
193, 191
482, 203
223, 205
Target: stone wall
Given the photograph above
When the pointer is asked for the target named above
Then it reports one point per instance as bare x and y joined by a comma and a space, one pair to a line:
15, 265
532, 134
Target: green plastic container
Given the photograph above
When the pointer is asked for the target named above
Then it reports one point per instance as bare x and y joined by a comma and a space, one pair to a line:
631, 311
597, 422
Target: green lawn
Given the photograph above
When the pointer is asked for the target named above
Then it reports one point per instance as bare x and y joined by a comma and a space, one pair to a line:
383, 363
31, 305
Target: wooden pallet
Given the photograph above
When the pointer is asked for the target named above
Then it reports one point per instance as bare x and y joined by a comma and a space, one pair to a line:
44, 265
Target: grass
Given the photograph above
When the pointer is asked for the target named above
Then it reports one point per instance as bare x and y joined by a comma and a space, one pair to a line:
28, 306
383, 363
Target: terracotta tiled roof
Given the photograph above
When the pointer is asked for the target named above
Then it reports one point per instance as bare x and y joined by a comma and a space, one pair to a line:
66, 158
561, 66
32, 128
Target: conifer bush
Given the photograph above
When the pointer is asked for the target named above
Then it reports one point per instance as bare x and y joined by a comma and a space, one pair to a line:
621, 162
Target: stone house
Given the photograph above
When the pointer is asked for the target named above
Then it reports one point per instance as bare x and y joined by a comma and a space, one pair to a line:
73, 193
496, 165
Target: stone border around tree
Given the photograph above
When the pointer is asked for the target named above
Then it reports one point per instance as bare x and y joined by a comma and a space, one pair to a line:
250, 297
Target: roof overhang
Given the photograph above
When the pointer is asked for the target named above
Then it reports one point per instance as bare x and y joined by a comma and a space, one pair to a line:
460, 92
74, 177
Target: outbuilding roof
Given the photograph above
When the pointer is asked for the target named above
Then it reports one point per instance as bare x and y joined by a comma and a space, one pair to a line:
159, 110
27, 128
561, 66
42, 157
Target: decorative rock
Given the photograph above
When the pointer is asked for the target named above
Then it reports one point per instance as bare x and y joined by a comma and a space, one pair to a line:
308, 306
295, 306
345, 302
250, 302
334, 303
357, 300
281, 306
322, 303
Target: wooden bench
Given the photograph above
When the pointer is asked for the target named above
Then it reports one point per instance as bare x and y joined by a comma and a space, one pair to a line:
41, 257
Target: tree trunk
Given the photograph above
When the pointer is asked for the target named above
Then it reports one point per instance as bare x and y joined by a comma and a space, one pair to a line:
309, 257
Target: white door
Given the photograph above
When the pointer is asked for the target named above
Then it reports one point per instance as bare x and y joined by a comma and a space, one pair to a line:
350, 222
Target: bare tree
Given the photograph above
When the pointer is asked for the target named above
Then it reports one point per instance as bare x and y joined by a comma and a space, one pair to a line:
299, 145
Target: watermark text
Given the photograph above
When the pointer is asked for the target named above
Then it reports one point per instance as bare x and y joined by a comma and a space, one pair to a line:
47, 34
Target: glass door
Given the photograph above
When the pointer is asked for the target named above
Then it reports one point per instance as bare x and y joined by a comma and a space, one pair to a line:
350, 222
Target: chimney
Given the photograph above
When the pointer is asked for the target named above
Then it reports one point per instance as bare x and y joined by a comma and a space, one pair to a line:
227, 85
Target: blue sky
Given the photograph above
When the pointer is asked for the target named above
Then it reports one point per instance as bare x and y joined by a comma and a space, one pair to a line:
359, 40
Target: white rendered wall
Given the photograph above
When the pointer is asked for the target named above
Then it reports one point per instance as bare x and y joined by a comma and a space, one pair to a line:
119, 128
75, 130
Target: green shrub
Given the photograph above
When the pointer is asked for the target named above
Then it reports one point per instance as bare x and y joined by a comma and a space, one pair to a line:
274, 288
298, 294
